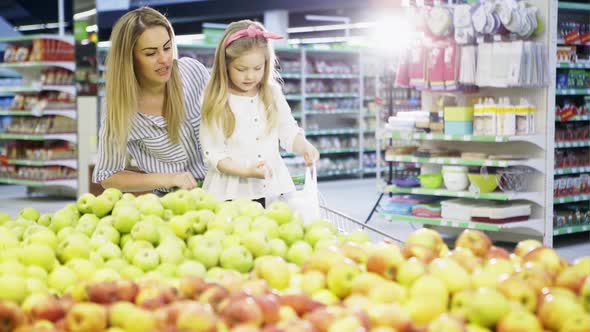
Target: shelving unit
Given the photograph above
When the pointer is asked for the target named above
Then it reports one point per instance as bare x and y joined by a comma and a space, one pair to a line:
30, 73
564, 205
537, 147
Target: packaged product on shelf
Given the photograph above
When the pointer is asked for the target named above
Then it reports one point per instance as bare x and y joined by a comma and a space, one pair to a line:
436, 68
464, 32
569, 186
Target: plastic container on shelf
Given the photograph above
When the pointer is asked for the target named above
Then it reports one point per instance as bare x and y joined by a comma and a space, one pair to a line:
458, 127
455, 177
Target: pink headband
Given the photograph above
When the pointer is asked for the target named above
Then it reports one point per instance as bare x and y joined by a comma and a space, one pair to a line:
251, 32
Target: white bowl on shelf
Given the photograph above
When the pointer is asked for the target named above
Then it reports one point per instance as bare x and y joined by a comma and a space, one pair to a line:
455, 177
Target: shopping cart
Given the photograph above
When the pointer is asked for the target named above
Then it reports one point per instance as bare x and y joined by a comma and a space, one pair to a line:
347, 224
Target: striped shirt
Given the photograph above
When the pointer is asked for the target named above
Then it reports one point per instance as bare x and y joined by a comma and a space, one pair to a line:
148, 142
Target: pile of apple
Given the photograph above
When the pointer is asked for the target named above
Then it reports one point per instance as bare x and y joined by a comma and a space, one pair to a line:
187, 262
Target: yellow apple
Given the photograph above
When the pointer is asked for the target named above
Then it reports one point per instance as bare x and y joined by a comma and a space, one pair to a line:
523, 247
476, 241
324, 259
313, 281
390, 315
576, 323
363, 283
426, 237
450, 273
431, 288
487, 307
388, 292
519, 320
555, 308
548, 258
409, 271
385, 260
466, 259
341, 276
515, 289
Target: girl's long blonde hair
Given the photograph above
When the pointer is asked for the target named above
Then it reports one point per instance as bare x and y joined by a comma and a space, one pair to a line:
122, 82
216, 111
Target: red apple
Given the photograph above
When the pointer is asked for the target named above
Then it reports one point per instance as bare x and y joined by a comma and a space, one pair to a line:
244, 328
102, 292
87, 317
571, 278
11, 316
127, 290
422, 253
355, 251
270, 306
297, 325
536, 276
243, 310
323, 317
515, 289
152, 297
46, 307
523, 247
476, 241
190, 287
301, 303
213, 295
256, 287
466, 259
195, 317
384, 260
497, 252
390, 315
548, 258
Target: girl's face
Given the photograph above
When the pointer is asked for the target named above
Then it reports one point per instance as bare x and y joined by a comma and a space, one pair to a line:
246, 71
152, 56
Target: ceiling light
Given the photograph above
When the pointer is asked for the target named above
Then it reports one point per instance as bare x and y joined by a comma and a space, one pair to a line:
84, 14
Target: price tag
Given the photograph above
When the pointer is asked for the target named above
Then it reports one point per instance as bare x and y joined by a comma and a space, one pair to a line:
499, 139
466, 137
562, 200
438, 193
572, 91
448, 138
569, 230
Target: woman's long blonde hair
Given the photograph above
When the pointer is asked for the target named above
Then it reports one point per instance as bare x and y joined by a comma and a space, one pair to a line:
216, 111
122, 82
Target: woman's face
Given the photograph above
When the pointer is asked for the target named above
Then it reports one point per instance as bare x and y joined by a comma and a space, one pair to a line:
152, 56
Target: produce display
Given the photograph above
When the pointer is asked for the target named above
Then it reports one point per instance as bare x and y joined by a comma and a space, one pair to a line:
187, 262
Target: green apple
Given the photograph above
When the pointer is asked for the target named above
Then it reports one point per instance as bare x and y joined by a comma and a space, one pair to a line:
4, 218
108, 232
318, 233
37, 272
146, 259
7, 239
85, 202
256, 242
124, 239
10, 255
98, 241
267, 225
125, 217
64, 233
147, 231
191, 268
13, 288
61, 219
340, 278
242, 225
87, 224
409, 271
487, 307
236, 258
45, 219
278, 247
32, 229
109, 251
251, 209
215, 235
193, 240
221, 222
116, 264
313, 281
179, 202
36, 286
96, 259
199, 220
181, 226
107, 220
40, 255
73, 247
83, 268
206, 201
170, 252
274, 270
132, 247
280, 212
61, 279
43, 236
29, 213
150, 207
321, 223
101, 206
13, 268
358, 236
167, 270
105, 275
113, 194
291, 232
131, 197
230, 240
299, 252
207, 252
131, 272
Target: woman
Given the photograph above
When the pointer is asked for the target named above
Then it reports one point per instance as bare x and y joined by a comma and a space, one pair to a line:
152, 109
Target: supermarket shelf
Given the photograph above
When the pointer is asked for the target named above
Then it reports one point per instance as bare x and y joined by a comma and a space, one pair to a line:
571, 199
496, 196
571, 92
343, 131
33, 183
67, 39
331, 95
67, 113
332, 112
328, 151
72, 163
325, 174
572, 170
72, 137
535, 139
538, 164
573, 5
290, 75
573, 65
571, 229
574, 118
38, 65
572, 144
293, 97
562, 42
332, 76
71, 89
535, 224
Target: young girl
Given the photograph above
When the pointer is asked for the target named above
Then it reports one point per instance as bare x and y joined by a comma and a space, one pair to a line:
245, 117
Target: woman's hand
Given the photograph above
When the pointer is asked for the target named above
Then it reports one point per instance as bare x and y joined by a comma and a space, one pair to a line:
183, 180
310, 154
259, 171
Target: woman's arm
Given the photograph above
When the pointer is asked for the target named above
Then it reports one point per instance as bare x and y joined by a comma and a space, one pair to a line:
129, 181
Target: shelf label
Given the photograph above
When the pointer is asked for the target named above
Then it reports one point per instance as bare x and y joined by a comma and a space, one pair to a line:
499, 139
448, 138
569, 230
466, 137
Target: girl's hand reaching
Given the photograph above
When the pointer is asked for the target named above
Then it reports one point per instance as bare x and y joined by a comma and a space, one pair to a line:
259, 171
310, 154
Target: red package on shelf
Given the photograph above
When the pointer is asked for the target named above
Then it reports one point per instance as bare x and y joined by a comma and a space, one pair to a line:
451, 68
418, 67
436, 68
402, 77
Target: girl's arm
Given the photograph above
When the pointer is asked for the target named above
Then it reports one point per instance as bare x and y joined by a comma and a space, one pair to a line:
307, 150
